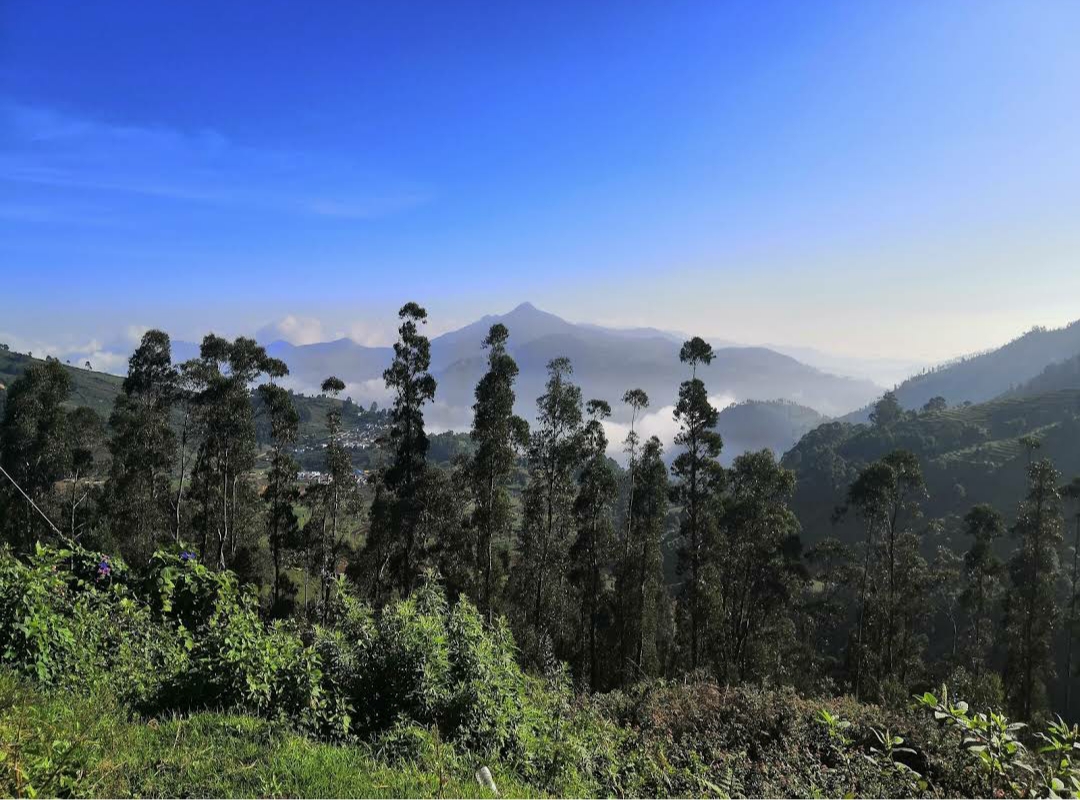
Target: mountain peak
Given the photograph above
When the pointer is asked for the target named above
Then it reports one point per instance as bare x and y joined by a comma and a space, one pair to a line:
524, 307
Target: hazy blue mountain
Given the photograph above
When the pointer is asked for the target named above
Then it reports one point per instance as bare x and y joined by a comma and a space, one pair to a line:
1061, 375
606, 362
760, 424
981, 377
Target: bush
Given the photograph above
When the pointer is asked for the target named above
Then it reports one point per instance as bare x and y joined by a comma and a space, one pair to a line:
68, 619
424, 663
774, 743
234, 660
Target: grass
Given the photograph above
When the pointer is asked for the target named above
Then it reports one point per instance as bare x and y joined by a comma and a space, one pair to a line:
87, 746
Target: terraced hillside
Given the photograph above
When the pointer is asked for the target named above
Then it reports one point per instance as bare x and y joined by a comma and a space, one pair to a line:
970, 454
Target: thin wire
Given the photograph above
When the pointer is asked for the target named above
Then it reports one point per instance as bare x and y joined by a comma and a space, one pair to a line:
33, 504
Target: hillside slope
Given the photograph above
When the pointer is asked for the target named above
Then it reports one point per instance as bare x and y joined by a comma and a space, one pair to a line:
984, 376
969, 454
98, 390
764, 424
1057, 376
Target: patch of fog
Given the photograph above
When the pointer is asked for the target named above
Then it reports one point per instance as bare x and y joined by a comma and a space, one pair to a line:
440, 417
659, 423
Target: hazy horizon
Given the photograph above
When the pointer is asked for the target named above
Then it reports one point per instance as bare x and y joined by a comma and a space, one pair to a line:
885, 181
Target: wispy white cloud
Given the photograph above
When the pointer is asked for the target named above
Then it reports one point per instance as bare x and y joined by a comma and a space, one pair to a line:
102, 357
50, 148
293, 329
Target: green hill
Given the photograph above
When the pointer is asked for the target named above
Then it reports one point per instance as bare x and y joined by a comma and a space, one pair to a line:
760, 424
98, 390
969, 454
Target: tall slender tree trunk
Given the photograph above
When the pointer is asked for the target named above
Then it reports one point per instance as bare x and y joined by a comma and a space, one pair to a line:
1072, 620
862, 608
74, 503
1029, 617
487, 556
180, 488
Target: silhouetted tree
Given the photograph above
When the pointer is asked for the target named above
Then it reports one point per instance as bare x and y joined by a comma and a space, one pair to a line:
394, 540
499, 435
282, 492
143, 447
337, 500
886, 497
1031, 609
547, 526
34, 450
887, 411
984, 572
757, 569
699, 479
1071, 493
642, 591
592, 553
222, 376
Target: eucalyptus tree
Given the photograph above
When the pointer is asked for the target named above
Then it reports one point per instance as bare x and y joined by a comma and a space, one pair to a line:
886, 496
1030, 443
983, 583
338, 498
626, 570
887, 411
34, 451
282, 491
592, 553
547, 526
948, 588
394, 546
699, 481
1071, 493
638, 401
86, 433
758, 569
1031, 609
499, 436
827, 604
143, 449
642, 571
222, 377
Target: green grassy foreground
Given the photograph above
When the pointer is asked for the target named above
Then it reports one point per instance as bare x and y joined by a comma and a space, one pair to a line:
57, 744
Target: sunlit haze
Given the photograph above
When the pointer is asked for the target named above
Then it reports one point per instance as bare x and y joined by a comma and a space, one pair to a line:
896, 181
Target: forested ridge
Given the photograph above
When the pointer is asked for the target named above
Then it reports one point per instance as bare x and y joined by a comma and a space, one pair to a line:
683, 625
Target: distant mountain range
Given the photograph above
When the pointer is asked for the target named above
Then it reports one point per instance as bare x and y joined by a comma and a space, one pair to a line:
606, 362
767, 398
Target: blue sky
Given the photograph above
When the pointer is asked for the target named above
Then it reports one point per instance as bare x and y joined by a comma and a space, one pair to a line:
871, 178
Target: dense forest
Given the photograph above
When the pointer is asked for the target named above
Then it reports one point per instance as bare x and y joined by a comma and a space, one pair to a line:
212, 545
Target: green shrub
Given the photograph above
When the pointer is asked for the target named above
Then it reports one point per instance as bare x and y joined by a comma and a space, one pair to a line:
774, 743
425, 663
68, 619
234, 660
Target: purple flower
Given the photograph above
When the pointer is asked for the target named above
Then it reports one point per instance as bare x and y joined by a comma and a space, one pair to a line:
104, 568
186, 556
